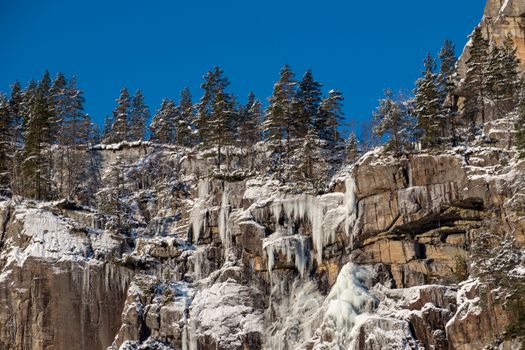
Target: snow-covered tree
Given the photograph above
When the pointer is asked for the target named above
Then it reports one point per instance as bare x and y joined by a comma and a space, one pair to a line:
306, 106
185, 119
138, 116
520, 123
476, 79
107, 132
329, 117
6, 139
120, 117
446, 86
352, 148
214, 82
279, 122
250, 117
393, 121
163, 123
427, 109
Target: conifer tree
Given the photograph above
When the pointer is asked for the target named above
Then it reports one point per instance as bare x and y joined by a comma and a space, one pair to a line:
163, 123
446, 86
519, 125
220, 122
393, 121
138, 116
249, 121
120, 117
107, 133
214, 82
352, 148
185, 118
278, 124
6, 139
508, 87
330, 116
430, 121
16, 108
476, 79
37, 140
306, 106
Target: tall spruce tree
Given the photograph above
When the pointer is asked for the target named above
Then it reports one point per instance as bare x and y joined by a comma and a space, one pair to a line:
330, 116
6, 139
107, 132
138, 116
221, 130
214, 82
306, 106
510, 83
36, 166
121, 117
249, 121
519, 125
430, 120
184, 123
279, 122
163, 124
476, 79
392, 120
446, 88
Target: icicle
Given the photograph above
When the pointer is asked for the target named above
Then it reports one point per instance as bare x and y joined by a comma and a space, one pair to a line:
351, 207
198, 212
224, 216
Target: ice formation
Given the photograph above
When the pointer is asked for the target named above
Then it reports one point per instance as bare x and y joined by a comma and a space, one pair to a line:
324, 213
198, 212
295, 246
224, 219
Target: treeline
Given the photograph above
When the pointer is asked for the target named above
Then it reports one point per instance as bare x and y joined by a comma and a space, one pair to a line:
46, 137
448, 108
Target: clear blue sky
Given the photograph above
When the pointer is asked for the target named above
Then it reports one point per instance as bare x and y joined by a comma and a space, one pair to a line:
358, 47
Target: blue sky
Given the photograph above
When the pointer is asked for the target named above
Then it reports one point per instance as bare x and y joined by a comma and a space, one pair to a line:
358, 47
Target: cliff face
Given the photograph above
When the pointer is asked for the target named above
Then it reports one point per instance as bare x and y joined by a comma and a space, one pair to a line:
419, 251
500, 18
238, 264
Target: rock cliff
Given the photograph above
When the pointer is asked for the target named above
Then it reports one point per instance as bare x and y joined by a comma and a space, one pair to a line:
410, 251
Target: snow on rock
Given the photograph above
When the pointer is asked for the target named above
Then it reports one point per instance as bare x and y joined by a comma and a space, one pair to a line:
226, 312
46, 235
375, 332
198, 212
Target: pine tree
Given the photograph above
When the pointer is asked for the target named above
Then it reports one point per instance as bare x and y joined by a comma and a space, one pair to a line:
430, 121
6, 138
330, 117
214, 82
120, 117
220, 122
476, 79
519, 126
393, 121
107, 133
249, 121
138, 116
306, 106
509, 85
352, 148
163, 123
185, 118
278, 124
446, 87
37, 140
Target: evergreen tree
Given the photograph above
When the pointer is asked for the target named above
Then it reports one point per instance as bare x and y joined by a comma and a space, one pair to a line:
508, 87
430, 121
476, 79
330, 116
520, 123
306, 106
279, 121
120, 117
352, 148
249, 121
214, 82
184, 123
446, 87
138, 116
163, 123
220, 122
107, 133
6, 138
393, 121
36, 166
